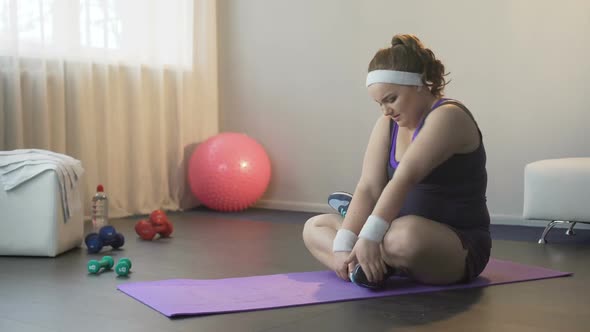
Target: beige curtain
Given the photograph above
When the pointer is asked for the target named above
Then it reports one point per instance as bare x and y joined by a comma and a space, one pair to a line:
130, 123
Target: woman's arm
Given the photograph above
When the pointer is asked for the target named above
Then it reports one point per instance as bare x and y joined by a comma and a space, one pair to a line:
447, 131
373, 177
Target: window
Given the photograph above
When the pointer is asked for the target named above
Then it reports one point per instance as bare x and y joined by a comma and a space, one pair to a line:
154, 32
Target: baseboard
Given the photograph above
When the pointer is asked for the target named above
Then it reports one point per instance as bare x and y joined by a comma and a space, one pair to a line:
293, 206
516, 220
497, 219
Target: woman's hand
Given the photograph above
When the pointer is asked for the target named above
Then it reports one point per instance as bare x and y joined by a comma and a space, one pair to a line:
342, 268
368, 254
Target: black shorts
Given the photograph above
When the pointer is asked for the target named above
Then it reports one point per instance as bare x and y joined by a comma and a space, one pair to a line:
478, 244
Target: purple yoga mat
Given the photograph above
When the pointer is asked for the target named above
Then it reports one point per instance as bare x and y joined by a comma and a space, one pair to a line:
178, 297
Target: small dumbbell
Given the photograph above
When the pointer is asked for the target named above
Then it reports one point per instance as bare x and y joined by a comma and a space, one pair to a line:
107, 236
123, 267
158, 223
110, 237
162, 227
161, 223
106, 263
145, 230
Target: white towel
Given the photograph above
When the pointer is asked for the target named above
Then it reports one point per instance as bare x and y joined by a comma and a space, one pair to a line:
19, 166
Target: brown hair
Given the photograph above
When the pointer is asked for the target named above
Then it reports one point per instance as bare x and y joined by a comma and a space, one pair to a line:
407, 53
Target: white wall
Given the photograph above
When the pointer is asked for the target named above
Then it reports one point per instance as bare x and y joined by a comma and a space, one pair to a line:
292, 76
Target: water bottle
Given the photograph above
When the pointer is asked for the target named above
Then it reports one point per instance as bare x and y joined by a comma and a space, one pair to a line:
100, 209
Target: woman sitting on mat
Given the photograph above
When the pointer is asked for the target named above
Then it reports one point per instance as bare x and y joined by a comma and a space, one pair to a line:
419, 208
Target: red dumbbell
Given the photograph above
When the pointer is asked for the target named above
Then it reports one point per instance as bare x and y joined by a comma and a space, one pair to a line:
161, 223
158, 223
145, 230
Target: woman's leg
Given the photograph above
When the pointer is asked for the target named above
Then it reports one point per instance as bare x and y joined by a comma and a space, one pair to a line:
426, 250
318, 234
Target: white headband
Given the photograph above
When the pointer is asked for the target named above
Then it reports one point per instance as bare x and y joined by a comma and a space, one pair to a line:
394, 77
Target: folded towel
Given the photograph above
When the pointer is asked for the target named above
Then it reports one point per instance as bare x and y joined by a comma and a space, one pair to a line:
19, 166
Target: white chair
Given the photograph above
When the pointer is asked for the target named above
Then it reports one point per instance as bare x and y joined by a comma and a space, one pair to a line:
557, 190
33, 220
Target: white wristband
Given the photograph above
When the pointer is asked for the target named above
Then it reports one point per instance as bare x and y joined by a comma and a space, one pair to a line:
374, 229
344, 240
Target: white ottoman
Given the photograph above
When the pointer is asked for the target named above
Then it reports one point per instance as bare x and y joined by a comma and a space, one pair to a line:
32, 218
557, 190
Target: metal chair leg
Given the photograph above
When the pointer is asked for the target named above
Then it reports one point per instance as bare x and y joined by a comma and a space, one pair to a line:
547, 229
570, 230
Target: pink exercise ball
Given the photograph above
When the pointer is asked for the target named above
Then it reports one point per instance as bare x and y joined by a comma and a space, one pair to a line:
229, 172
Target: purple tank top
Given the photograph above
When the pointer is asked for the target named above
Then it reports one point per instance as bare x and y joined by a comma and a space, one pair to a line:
393, 161
454, 192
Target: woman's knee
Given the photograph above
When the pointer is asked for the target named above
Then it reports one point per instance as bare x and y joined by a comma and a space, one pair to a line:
402, 241
309, 225
315, 222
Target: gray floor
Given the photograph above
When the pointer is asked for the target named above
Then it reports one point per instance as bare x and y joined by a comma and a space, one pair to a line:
56, 294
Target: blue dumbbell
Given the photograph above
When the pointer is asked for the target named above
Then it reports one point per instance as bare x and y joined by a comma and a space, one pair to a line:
107, 236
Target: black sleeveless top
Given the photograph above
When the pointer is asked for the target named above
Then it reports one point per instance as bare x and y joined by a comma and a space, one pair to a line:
454, 193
